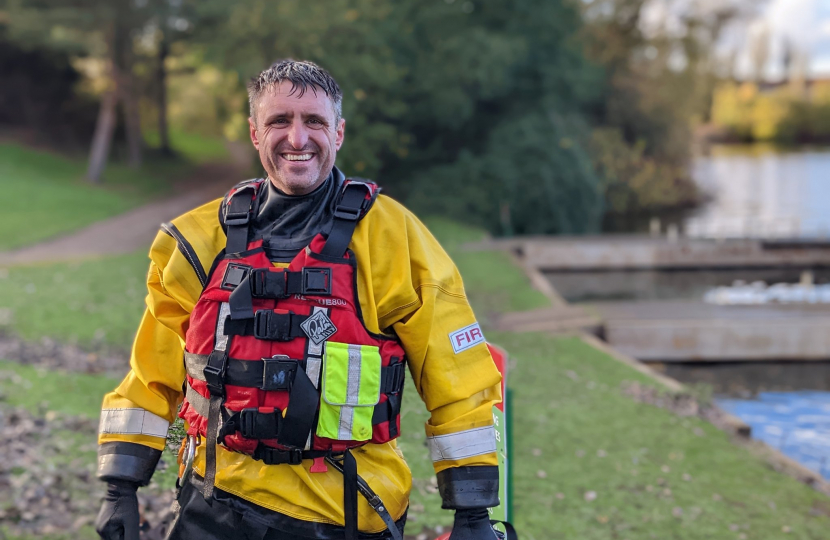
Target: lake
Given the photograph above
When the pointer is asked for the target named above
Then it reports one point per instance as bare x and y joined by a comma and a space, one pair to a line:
758, 191
796, 423
753, 192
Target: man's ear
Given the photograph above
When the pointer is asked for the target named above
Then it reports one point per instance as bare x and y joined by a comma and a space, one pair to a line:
340, 133
254, 136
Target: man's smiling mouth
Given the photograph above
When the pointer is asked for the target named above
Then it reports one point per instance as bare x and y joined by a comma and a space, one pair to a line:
297, 157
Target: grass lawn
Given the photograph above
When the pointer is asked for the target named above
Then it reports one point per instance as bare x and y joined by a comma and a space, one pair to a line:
40, 390
47, 194
90, 303
194, 147
589, 463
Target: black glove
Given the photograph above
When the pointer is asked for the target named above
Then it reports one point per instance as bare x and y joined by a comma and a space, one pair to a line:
118, 518
472, 524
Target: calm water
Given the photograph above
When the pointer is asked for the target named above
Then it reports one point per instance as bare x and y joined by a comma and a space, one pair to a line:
797, 423
759, 192
755, 193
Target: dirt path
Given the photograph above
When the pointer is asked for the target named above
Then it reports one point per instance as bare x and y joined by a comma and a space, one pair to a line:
135, 229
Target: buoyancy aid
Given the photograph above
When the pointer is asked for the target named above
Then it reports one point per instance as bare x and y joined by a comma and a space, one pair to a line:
280, 365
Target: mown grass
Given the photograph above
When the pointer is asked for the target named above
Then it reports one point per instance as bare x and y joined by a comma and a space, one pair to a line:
39, 390
588, 462
46, 194
93, 303
192, 146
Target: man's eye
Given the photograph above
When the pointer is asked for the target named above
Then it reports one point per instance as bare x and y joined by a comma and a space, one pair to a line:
314, 121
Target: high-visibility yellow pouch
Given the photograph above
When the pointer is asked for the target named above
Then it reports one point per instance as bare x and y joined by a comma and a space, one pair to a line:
350, 391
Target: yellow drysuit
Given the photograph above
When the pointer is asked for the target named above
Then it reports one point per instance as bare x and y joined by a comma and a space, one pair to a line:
406, 282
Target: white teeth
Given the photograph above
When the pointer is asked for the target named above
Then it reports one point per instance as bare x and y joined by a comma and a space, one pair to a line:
302, 157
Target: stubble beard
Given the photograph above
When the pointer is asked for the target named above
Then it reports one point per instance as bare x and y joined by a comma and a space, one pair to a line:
292, 183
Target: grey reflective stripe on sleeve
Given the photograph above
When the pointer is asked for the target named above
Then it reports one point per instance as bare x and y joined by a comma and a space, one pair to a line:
133, 421
463, 444
221, 338
344, 433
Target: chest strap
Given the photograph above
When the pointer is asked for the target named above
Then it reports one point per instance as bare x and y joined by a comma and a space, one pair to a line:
268, 325
264, 283
278, 373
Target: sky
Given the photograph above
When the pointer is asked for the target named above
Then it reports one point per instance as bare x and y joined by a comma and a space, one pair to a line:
804, 23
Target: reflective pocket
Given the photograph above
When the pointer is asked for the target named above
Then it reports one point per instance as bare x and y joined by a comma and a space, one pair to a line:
350, 391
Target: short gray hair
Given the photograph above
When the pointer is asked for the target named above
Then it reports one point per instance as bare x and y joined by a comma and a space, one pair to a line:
303, 76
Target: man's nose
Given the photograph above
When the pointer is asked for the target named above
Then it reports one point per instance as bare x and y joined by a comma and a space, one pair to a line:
297, 136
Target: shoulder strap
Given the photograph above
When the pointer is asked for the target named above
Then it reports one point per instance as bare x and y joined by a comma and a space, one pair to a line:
236, 212
354, 201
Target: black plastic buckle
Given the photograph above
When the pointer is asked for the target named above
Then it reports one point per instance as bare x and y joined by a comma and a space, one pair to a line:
350, 213
234, 274
257, 280
214, 372
295, 456
241, 217
278, 372
317, 281
261, 319
247, 423
272, 326
257, 425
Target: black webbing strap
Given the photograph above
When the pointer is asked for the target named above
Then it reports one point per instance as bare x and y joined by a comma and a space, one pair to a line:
210, 447
293, 429
268, 325
508, 528
391, 384
388, 411
375, 502
241, 300
274, 285
253, 423
392, 378
214, 373
276, 373
294, 456
350, 495
347, 213
237, 218
299, 418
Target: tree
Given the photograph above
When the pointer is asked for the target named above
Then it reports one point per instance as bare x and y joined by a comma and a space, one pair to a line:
475, 97
104, 30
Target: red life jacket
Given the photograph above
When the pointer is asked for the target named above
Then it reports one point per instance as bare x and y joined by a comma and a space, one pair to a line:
260, 338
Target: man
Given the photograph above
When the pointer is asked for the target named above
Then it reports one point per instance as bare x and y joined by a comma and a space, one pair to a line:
295, 302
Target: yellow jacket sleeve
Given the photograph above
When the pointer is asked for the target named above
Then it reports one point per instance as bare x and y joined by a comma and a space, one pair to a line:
419, 294
135, 417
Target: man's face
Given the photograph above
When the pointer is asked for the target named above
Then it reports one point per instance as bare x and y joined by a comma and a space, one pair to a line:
296, 137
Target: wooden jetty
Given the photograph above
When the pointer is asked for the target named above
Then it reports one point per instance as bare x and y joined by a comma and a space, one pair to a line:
680, 331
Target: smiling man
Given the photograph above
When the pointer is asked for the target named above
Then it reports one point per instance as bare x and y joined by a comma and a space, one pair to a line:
280, 322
